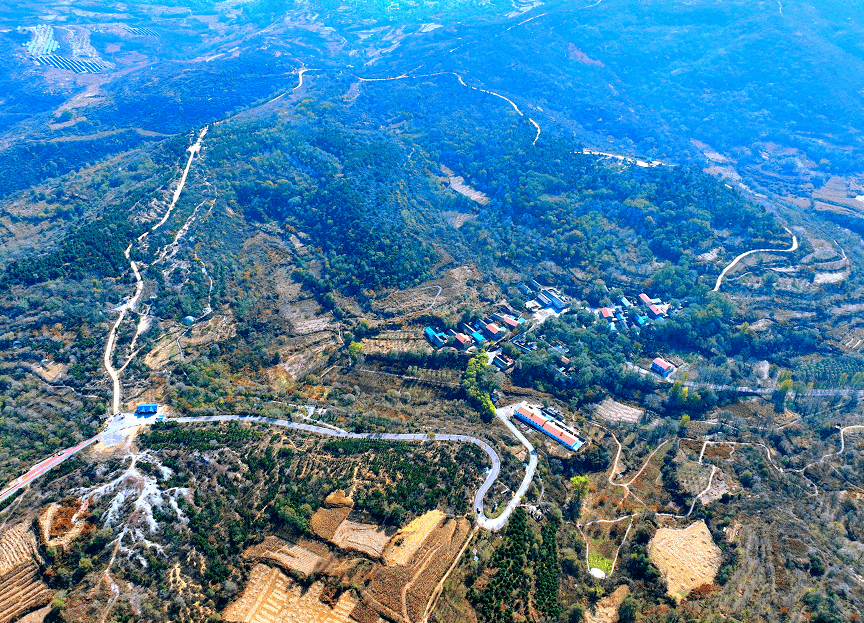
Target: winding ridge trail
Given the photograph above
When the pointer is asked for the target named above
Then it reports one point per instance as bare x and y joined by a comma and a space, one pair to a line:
732, 264
405, 76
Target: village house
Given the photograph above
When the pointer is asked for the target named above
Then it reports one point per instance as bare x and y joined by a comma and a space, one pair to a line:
662, 367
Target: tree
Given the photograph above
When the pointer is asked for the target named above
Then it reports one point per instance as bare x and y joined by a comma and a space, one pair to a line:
355, 350
627, 610
580, 486
685, 421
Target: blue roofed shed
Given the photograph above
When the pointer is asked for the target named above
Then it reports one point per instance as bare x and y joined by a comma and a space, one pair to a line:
146, 410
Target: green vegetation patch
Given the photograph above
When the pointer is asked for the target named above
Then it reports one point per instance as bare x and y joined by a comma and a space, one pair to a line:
596, 561
171, 435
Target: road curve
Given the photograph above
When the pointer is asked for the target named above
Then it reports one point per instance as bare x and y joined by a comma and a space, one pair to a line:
732, 264
482, 520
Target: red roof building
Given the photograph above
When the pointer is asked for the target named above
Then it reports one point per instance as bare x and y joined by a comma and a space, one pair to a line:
536, 419
662, 367
606, 312
645, 298
462, 340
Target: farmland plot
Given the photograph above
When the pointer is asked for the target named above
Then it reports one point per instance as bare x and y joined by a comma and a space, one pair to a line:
686, 558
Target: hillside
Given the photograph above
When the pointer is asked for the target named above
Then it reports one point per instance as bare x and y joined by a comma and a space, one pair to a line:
341, 244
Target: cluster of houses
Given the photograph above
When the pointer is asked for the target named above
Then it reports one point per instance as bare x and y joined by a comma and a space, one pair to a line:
550, 422
476, 333
635, 317
543, 297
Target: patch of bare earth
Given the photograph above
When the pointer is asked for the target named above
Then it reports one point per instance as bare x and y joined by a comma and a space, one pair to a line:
606, 610
686, 558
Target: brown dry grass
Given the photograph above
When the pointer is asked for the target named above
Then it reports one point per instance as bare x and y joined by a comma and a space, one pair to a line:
721, 451
60, 524
686, 558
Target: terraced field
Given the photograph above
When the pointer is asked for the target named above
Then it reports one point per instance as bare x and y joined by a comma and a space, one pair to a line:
21, 589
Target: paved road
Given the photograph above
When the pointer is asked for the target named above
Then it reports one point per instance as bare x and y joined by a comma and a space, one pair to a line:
482, 519
496, 523
42, 467
793, 247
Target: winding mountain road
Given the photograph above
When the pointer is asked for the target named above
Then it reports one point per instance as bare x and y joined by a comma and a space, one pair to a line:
734, 262
483, 521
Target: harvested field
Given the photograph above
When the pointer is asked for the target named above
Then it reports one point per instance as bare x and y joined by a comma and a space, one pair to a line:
17, 545
366, 538
457, 184
326, 521
21, 589
408, 540
613, 411
271, 597
686, 558
401, 592
289, 556
606, 610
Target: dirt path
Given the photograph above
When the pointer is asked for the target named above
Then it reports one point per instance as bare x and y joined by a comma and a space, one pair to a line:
132, 303
734, 262
193, 151
112, 335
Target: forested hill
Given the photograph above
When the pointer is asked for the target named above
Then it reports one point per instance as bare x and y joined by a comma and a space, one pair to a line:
372, 204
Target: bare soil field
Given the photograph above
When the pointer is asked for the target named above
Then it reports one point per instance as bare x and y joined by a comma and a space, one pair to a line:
686, 558
613, 411
606, 610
